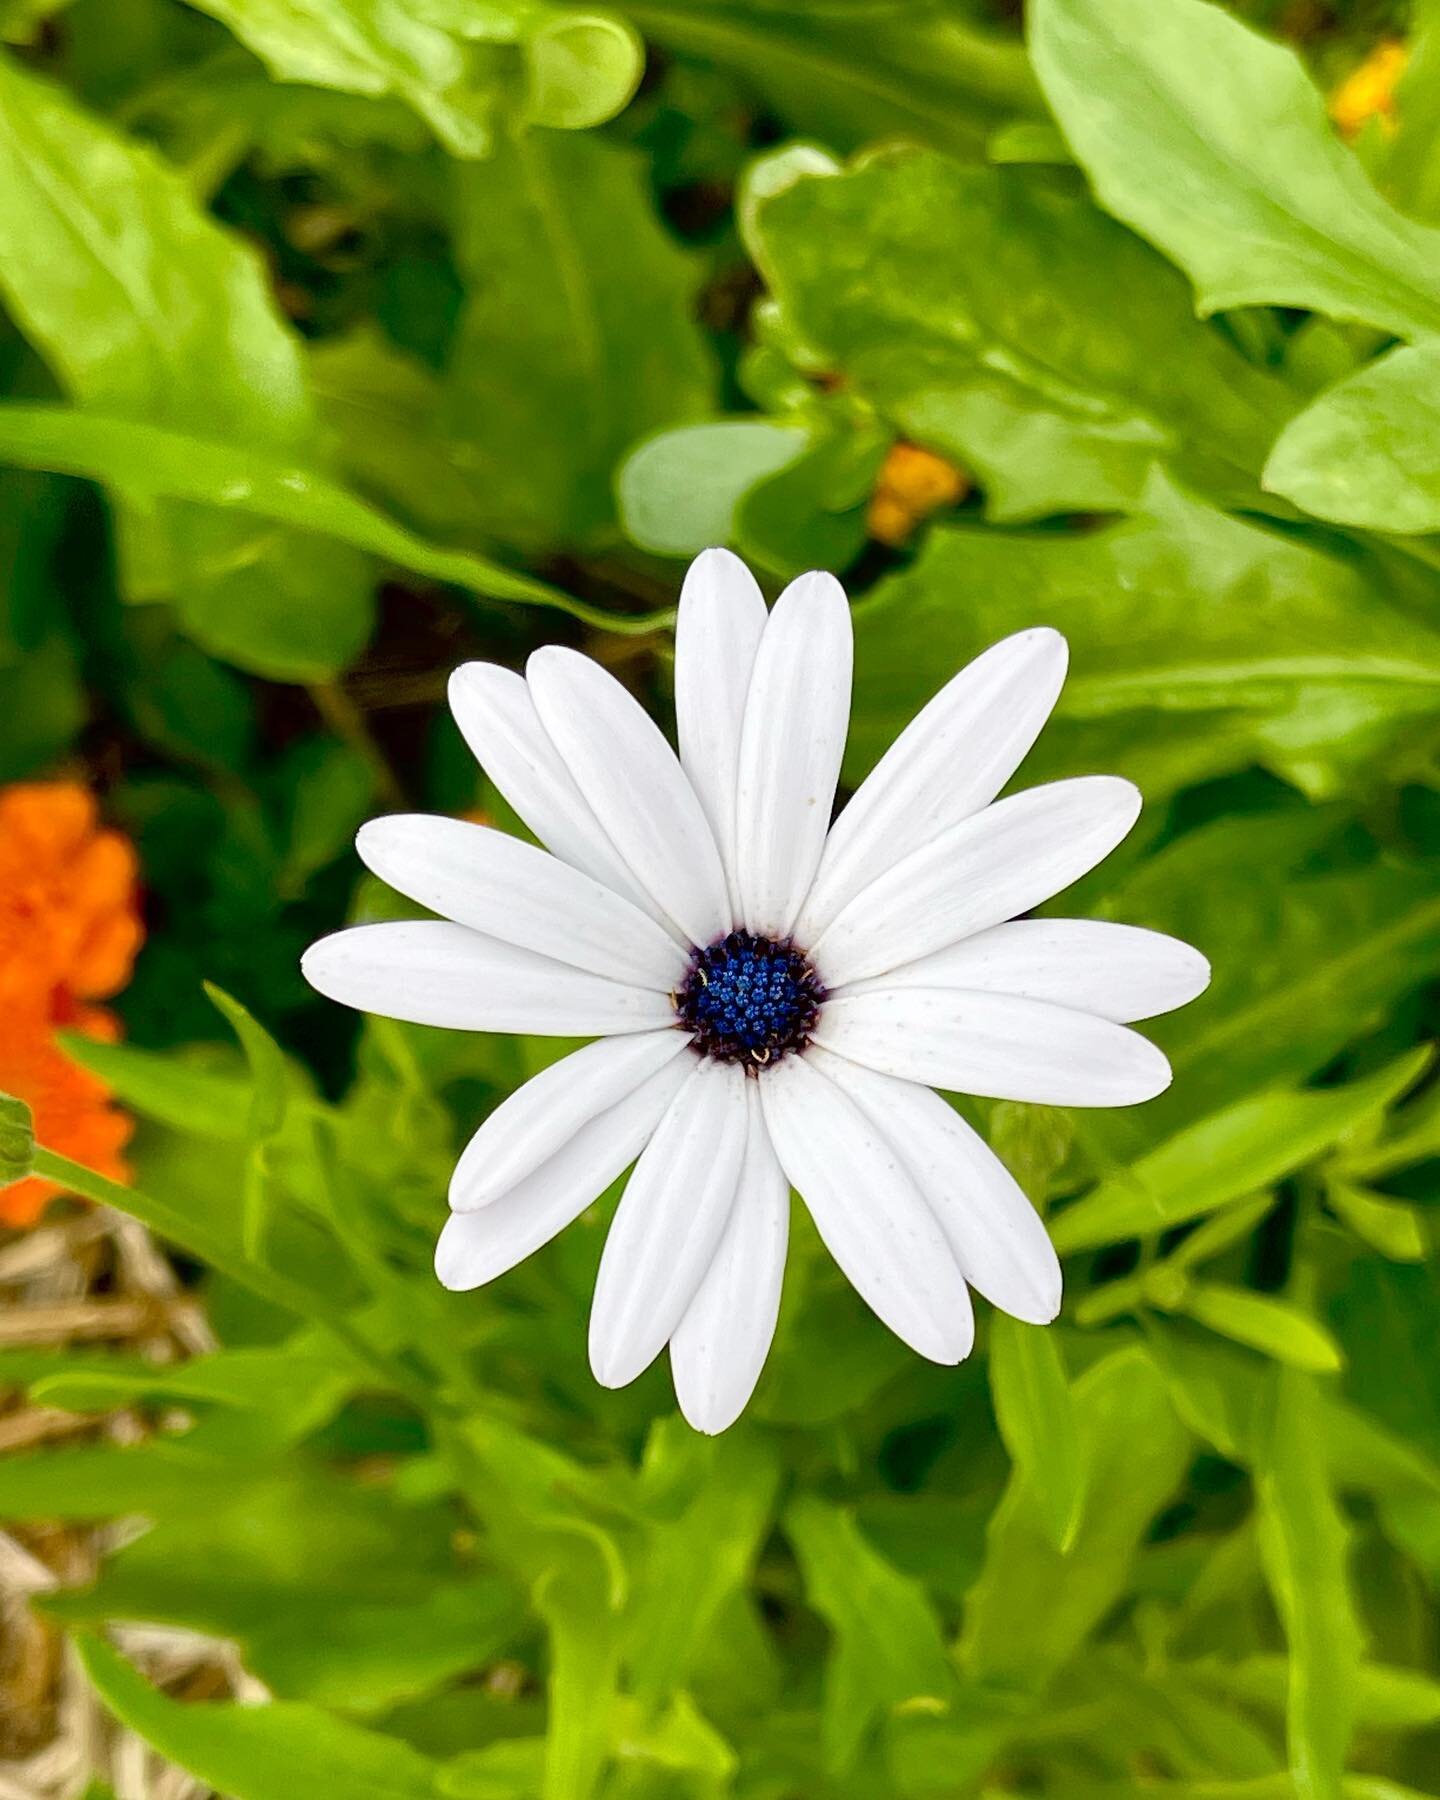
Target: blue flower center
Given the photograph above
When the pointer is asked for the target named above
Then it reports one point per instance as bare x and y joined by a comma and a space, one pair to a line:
749, 1000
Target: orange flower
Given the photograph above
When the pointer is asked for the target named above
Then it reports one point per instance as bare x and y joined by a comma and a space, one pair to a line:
1368, 92
69, 930
912, 484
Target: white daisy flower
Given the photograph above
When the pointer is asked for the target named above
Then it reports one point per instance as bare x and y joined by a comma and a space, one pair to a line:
773, 998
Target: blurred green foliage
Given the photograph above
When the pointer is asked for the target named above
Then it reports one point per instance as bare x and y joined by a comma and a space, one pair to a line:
382, 336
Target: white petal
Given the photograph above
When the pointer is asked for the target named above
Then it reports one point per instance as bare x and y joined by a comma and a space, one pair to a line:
497, 717
508, 889
996, 1234
717, 632
950, 761
1001, 862
668, 1224
532, 1124
868, 1210
635, 787
475, 1247
720, 1346
435, 973
1118, 972
796, 717
994, 1044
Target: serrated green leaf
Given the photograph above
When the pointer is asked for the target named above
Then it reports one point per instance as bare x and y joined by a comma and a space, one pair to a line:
1213, 143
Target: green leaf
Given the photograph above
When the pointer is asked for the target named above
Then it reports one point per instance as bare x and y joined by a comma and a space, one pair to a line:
996, 343
850, 73
576, 1603
44, 705
148, 310
1027, 141
250, 1402
826, 1362
1225, 1157
269, 1093
17, 1140
328, 791
1304, 962
583, 68
148, 464
1407, 167
1183, 623
1264, 1323
1304, 1543
505, 1770
1213, 143
1217, 1233
680, 1740
576, 338
1388, 1318
1032, 1607
678, 492
96, 1482
1036, 1414
380, 407
1365, 452
1387, 1698
266, 1752
695, 1562
1389, 1226
811, 513
359, 1657
453, 61
1215, 1387
167, 1086
887, 1647
337, 1594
